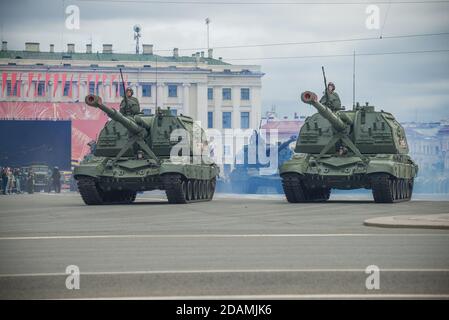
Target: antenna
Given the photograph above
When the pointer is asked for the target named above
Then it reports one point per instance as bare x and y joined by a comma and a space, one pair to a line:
207, 24
353, 80
137, 36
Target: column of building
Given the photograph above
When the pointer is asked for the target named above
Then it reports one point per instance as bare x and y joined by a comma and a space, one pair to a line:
160, 94
217, 95
202, 103
186, 99
235, 107
255, 96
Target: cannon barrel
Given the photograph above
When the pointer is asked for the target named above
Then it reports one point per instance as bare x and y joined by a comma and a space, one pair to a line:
312, 99
96, 102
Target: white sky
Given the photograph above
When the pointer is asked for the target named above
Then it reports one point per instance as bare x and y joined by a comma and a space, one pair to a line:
413, 86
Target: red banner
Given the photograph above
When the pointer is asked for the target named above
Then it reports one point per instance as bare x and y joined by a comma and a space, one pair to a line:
113, 77
103, 81
55, 83
70, 86
117, 90
36, 86
79, 84
63, 81
4, 82
47, 79
89, 77
97, 77
13, 83
19, 85
30, 82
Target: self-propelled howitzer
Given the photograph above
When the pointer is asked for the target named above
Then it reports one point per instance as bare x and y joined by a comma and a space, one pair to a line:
133, 153
360, 148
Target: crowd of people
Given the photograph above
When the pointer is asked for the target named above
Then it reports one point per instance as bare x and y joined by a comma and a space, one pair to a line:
21, 180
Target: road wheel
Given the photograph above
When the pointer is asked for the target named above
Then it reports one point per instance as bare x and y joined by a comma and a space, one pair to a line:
212, 185
189, 190
173, 184
294, 188
90, 192
203, 189
389, 189
195, 190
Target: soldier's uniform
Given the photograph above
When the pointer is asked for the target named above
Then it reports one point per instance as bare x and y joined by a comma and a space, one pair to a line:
334, 102
133, 106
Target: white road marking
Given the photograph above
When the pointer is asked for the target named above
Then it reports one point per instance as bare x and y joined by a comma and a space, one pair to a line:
149, 272
177, 236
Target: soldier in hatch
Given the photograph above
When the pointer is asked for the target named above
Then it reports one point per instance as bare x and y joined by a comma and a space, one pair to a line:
331, 99
129, 105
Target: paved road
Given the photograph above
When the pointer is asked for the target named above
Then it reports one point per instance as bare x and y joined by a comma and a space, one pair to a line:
232, 247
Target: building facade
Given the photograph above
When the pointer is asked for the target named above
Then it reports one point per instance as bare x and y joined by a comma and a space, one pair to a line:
52, 85
429, 147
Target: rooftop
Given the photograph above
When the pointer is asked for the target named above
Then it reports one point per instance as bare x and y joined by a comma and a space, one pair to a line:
15, 54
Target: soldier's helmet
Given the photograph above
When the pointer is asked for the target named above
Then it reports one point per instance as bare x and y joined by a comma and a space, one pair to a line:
129, 89
331, 84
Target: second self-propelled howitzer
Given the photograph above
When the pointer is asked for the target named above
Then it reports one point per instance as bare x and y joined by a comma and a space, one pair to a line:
133, 153
360, 148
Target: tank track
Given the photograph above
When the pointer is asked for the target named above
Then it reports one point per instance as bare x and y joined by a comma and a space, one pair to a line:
181, 190
92, 194
388, 189
295, 190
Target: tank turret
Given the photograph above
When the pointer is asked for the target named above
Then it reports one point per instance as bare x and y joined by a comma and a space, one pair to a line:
312, 99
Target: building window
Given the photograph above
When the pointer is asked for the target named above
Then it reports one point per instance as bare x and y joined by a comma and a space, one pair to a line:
210, 94
66, 89
227, 121
41, 88
227, 94
173, 112
172, 90
244, 93
244, 120
8, 88
210, 119
146, 112
91, 87
146, 90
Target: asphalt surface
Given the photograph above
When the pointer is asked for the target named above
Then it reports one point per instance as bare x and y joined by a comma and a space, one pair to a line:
233, 247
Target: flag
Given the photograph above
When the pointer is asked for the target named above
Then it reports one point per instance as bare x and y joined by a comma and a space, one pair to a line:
55, 83
70, 86
79, 85
47, 78
4, 82
89, 77
30, 82
19, 85
103, 82
113, 77
117, 92
63, 81
97, 77
36, 86
13, 83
